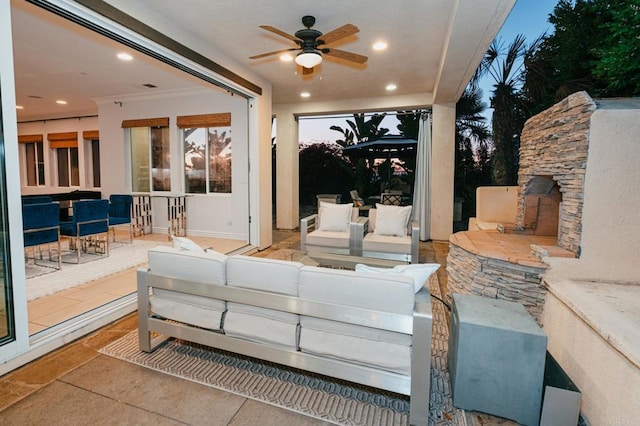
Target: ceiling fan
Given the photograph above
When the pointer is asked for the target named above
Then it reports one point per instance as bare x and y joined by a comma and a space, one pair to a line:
311, 43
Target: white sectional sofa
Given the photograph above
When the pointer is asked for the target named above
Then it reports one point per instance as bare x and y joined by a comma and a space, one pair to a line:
369, 328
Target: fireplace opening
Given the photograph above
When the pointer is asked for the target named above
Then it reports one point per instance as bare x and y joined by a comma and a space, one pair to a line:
542, 206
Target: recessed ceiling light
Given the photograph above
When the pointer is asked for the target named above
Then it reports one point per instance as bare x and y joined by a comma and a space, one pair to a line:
286, 57
391, 87
19, 107
61, 102
305, 94
125, 56
380, 45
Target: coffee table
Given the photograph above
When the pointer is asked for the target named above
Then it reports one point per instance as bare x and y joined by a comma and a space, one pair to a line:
331, 260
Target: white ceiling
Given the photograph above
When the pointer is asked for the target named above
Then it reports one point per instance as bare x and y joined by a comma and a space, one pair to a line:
434, 47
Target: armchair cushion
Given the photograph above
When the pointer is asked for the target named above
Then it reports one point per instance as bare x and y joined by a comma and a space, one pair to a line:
328, 239
386, 243
334, 217
392, 220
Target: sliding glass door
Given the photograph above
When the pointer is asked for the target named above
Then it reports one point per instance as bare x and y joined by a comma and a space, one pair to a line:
7, 320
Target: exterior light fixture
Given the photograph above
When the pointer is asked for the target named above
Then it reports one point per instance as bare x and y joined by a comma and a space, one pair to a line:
61, 102
125, 56
305, 94
308, 59
19, 107
391, 87
286, 57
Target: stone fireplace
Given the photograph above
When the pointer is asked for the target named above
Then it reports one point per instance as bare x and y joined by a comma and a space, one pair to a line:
553, 159
548, 222
542, 200
578, 195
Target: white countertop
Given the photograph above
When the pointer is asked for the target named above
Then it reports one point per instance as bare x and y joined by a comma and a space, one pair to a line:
612, 309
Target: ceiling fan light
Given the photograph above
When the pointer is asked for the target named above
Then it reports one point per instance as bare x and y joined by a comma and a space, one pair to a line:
308, 59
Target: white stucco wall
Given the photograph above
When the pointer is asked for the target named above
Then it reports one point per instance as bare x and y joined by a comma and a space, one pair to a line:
610, 230
610, 240
609, 383
584, 331
216, 215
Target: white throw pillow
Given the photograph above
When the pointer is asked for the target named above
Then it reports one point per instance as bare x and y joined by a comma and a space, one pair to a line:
334, 217
183, 243
392, 220
419, 272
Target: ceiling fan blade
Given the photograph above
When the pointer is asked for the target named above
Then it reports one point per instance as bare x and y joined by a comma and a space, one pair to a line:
263, 55
335, 35
280, 33
347, 56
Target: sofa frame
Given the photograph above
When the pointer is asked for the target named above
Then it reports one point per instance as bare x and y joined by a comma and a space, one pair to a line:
416, 385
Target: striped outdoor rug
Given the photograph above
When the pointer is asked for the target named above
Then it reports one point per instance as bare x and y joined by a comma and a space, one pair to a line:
314, 395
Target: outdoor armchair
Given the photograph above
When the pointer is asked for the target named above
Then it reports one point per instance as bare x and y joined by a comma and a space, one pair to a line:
391, 234
333, 229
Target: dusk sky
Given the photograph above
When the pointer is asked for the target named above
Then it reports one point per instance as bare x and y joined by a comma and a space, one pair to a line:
528, 17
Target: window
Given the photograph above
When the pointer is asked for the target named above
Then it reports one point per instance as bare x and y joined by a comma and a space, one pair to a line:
66, 149
207, 153
92, 157
35, 163
95, 162
150, 154
32, 156
68, 167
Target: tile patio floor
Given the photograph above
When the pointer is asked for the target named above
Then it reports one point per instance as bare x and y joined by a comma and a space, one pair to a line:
76, 385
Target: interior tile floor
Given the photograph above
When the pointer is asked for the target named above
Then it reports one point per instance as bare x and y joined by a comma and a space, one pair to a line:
51, 310
76, 385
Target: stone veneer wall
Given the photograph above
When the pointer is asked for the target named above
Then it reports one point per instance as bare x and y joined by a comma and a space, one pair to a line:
472, 273
554, 143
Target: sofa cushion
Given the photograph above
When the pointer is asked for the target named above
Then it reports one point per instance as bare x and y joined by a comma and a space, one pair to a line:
392, 220
275, 276
383, 292
194, 310
261, 325
362, 345
386, 243
183, 243
328, 239
208, 268
419, 272
334, 217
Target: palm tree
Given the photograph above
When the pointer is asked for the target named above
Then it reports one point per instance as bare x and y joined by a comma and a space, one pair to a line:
362, 130
472, 155
507, 68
